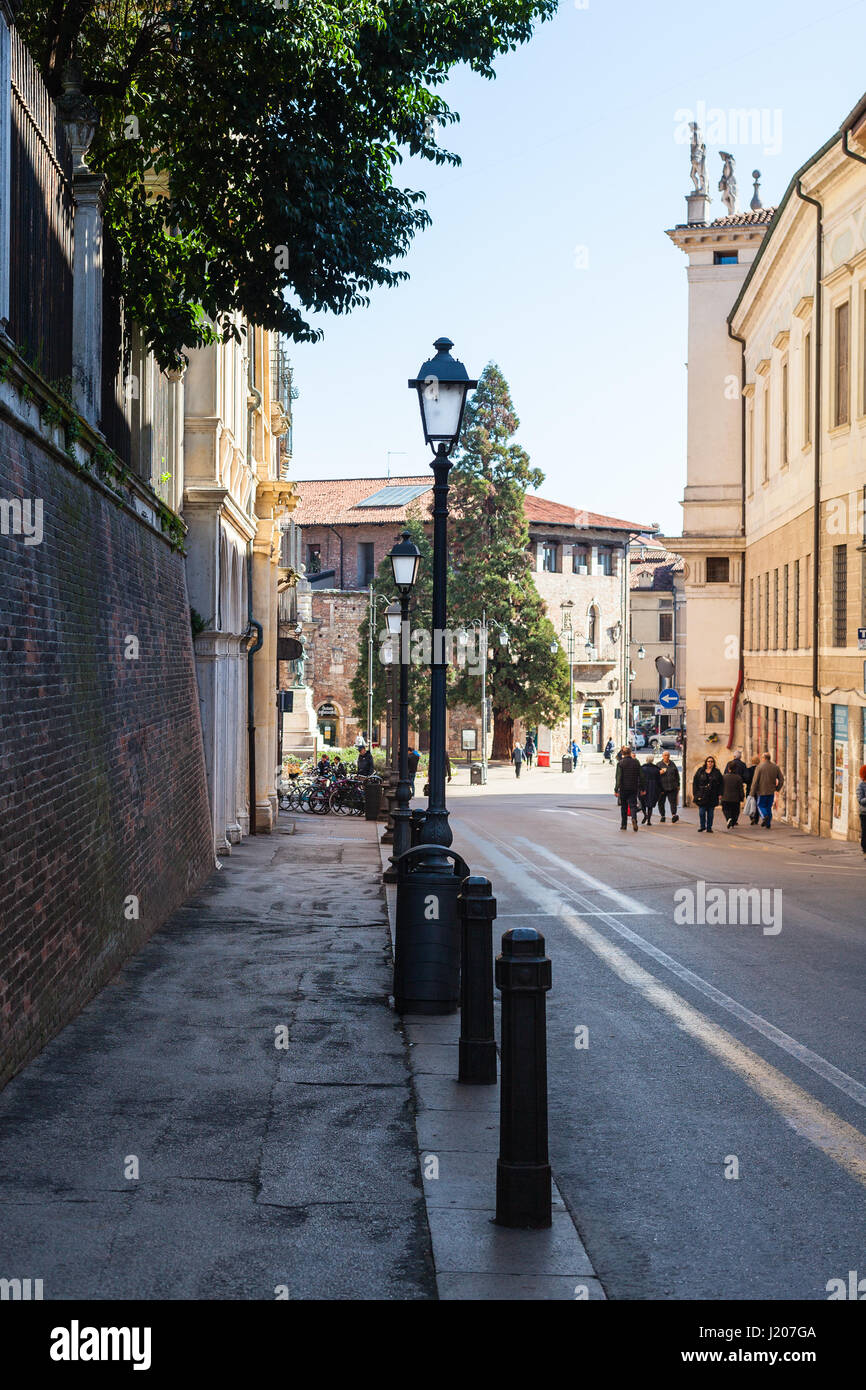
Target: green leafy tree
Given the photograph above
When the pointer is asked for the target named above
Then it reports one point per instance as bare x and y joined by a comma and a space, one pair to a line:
250, 145
420, 617
489, 545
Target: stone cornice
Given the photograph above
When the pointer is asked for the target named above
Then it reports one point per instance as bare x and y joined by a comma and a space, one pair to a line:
213, 497
782, 338
804, 307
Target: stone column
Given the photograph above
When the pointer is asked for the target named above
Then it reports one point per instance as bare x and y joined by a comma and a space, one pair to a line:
80, 118
264, 681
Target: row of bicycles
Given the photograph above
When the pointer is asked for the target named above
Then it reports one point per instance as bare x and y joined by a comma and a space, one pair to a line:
319, 796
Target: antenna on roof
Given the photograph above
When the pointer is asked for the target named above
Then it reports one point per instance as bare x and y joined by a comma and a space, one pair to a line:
400, 453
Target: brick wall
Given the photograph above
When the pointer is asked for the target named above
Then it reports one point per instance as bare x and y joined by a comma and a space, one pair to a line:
102, 787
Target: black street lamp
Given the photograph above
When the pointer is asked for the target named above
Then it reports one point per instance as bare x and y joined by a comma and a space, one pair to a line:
405, 560
427, 936
442, 384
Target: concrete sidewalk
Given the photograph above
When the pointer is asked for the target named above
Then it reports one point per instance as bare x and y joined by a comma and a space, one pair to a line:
458, 1139
232, 1117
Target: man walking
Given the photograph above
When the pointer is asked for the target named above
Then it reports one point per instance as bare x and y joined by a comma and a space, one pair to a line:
669, 784
517, 757
414, 760
733, 793
529, 750
768, 780
737, 765
628, 785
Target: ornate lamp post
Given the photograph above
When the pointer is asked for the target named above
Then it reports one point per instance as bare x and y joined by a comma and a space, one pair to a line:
405, 559
442, 384
427, 937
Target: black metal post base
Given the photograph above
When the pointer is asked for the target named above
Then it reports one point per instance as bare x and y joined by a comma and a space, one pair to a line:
523, 1195
477, 1062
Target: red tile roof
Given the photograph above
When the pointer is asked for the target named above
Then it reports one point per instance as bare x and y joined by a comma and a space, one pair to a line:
334, 502
745, 219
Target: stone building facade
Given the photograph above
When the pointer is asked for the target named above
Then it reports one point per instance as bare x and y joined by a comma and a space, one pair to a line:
578, 558
658, 629
773, 511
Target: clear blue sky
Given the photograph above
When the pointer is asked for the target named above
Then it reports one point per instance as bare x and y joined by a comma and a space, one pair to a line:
574, 144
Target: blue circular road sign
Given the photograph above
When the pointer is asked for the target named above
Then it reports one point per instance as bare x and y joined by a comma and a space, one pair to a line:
669, 698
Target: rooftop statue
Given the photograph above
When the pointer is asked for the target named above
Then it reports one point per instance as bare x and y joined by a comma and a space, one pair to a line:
728, 183
699, 160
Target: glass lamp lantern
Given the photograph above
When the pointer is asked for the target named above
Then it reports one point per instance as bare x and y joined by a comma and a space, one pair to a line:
443, 384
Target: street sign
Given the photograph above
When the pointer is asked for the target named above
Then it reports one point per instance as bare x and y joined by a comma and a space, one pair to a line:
669, 699
861, 639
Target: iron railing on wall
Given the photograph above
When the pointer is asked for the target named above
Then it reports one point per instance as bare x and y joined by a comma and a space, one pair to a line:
41, 213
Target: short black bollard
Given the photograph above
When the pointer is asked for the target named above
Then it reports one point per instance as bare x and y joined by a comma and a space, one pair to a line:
477, 907
523, 974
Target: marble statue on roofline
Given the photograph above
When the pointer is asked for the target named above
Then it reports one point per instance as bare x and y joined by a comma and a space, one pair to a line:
699, 160
728, 183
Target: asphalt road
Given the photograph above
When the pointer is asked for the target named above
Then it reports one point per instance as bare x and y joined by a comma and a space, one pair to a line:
713, 1048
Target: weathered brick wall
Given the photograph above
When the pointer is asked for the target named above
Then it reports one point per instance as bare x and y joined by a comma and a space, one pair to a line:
102, 788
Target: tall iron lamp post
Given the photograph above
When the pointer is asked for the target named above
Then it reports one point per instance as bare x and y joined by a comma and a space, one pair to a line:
442, 384
405, 560
427, 935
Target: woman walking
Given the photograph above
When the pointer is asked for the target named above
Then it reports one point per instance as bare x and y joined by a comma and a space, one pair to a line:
529, 750
706, 790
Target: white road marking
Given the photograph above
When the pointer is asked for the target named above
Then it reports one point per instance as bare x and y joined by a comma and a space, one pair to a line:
838, 1078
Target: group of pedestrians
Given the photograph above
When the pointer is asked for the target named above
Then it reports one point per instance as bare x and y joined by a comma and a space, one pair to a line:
526, 752
754, 787
649, 786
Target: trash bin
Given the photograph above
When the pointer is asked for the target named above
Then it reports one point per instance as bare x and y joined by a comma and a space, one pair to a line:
372, 798
567, 764
543, 760
427, 934
476, 777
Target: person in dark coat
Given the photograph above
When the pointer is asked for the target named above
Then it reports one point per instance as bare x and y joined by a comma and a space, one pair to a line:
447, 766
733, 794
414, 760
706, 790
529, 750
628, 785
517, 756
737, 765
651, 792
365, 762
669, 784
608, 751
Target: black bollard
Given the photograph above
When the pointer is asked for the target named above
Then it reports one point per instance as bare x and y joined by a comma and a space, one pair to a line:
523, 974
477, 907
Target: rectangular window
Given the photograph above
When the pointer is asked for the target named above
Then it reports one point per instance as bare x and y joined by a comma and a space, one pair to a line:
795, 635
314, 559
840, 595
807, 390
775, 610
581, 559
605, 561
548, 557
725, 257
752, 642
784, 426
766, 611
785, 606
666, 627
366, 564
750, 444
765, 448
840, 365
718, 569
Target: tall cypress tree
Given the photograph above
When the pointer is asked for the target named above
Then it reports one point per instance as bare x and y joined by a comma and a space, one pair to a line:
491, 568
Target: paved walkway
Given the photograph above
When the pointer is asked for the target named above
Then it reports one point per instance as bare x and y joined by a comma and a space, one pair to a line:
164, 1145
